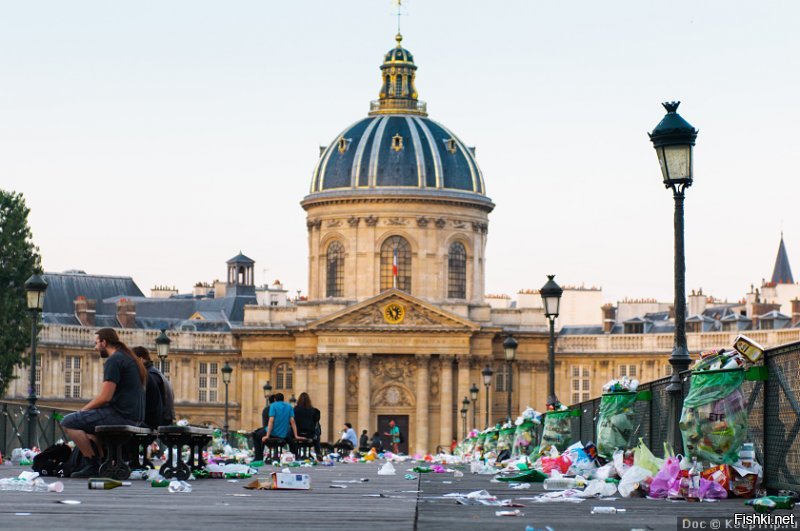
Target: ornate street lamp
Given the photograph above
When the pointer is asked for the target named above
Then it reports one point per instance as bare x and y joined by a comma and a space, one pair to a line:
510, 348
674, 139
226, 379
487, 373
464, 412
473, 394
162, 348
465, 404
35, 287
551, 297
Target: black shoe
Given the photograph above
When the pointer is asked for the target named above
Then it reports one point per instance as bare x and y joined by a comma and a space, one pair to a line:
89, 470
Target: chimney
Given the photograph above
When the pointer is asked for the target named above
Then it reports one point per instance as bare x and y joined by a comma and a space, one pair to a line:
795, 312
609, 318
85, 311
126, 313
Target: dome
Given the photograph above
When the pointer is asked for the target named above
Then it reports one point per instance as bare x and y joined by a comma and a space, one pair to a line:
398, 147
397, 151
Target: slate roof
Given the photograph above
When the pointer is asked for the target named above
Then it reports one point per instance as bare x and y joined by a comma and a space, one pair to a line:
64, 288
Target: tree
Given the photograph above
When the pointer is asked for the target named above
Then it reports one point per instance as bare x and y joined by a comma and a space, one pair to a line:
19, 259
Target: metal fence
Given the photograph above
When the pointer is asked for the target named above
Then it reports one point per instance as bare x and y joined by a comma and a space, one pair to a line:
14, 426
774, 422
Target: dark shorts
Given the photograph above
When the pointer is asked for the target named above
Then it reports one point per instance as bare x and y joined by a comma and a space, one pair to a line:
86, 421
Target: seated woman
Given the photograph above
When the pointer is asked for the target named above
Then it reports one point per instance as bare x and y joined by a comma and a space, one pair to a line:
306, 416
376, 442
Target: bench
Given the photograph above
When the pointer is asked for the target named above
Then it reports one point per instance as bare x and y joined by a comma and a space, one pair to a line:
122, 444
302, 448
273, 448
175, 438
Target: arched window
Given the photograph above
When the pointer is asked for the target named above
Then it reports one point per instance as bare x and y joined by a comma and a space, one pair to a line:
283, 377
398, 88
457, 271
335, 270
396, 264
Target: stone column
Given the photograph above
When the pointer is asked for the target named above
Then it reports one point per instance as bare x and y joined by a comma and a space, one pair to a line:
423, 386
364, 393
300, 375
446, 400
524, 398
463, 391
247, 418
186, 380
339, 390
320, 397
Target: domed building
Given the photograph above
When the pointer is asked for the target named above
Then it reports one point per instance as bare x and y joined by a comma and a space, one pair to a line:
396, 325
397, 192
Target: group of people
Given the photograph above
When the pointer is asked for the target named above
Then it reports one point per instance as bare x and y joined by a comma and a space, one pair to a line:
365, 443
291, 424
134, 392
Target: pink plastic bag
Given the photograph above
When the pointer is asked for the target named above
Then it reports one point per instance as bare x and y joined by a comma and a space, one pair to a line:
711, 490
659, 488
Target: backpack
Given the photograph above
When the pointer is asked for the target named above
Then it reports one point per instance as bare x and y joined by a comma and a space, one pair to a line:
51, 460
76, 461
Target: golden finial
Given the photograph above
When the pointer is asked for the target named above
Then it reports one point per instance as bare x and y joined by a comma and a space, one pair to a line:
398, 38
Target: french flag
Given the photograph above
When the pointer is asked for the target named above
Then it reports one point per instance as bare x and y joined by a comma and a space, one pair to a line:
394, 268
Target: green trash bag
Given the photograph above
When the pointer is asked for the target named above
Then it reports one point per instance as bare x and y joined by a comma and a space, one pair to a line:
505, 440
524, 439
714, 418
480, 443
490, 444
557, 431
615, 426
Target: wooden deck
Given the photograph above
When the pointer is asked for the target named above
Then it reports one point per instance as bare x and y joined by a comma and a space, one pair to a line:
218, 504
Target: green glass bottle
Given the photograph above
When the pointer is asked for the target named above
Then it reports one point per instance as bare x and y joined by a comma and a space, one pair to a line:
107, 483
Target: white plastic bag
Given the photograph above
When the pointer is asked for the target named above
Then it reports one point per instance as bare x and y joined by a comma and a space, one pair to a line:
634, 477
387, 470
598, 487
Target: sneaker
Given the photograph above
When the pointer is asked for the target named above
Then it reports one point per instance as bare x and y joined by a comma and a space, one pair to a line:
89, 470
257, 464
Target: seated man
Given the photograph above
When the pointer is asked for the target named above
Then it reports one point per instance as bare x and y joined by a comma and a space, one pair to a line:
121, 399
363, 442
281, 423
349, 440
258, 435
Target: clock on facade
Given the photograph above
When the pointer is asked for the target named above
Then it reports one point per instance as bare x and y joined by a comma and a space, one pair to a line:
393, 313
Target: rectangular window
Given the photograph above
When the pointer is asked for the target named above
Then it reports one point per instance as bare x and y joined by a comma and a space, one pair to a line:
208, 382
72, 377
501, 377
581, 383
165, 369
37, 379
627, 370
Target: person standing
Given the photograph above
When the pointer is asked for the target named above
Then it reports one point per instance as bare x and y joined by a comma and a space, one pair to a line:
394, 436
121, 399
306, 416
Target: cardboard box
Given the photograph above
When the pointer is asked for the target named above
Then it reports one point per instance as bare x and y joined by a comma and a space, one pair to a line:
720, 474
281, 480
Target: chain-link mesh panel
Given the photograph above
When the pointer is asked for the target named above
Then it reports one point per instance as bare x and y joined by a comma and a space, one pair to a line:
659, 413
781, 451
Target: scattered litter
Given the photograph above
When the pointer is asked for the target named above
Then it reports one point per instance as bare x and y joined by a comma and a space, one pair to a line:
22, 514
606, 510
338, 486
239, 495
70, 502
447, 482
408, 476
458, 474
515, 512
179, 486
233, 481
519, 486
386, 470
569, 495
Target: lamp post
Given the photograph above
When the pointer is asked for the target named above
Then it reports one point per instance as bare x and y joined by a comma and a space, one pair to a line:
464, 412
293, 400
487, 373
267, 391
510, 348
473, 394
162, 348
673, 139
226, 379
35, 287
465, 404
551, 297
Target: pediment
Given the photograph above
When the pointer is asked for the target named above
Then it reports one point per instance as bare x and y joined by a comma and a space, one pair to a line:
381, 313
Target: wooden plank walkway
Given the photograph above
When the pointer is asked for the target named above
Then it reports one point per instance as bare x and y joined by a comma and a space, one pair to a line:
216, 504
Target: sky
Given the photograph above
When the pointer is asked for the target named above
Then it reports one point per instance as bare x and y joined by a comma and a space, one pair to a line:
157, 139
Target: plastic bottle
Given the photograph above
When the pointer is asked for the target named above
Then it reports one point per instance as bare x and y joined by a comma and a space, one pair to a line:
107, 483
606, 510
747, 454
562, 483
693, 490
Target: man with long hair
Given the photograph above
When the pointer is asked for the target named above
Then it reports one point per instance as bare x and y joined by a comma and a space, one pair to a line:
121, 399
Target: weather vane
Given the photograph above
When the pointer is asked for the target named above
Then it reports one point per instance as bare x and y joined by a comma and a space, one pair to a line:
399, 4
